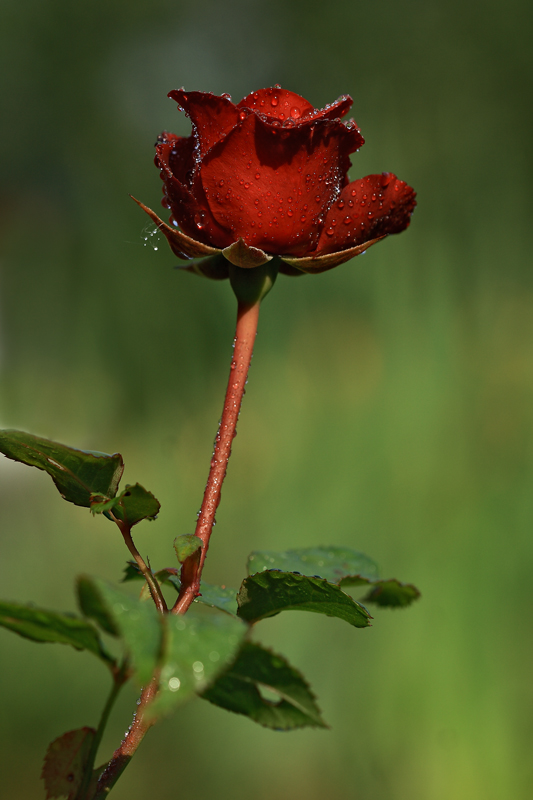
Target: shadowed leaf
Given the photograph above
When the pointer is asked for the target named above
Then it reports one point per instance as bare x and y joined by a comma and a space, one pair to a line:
77, 473
138, 624
132, 505
186, 545
335, 564
242, 687
40, 625
65, 761
267, 593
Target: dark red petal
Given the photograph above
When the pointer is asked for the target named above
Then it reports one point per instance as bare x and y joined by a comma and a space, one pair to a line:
192, 216
277, 103
272, 186
367, 209
212, 116
335, 110
175, 154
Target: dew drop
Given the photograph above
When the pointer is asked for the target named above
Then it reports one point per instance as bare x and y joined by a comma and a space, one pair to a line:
317, 198
340, 204
386, 178
274, 101
242, 115
257, 175
290, 212
330, 232
303, 218
347, 220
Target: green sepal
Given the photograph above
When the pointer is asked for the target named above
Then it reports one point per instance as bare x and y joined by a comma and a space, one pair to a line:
40, 625
77, 474
255, 670
138, 624
265, 594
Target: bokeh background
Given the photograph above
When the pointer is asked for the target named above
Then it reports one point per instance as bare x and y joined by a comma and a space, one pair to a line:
389, 406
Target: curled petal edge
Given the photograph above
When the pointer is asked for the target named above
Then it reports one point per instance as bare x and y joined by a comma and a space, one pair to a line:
313, 266
182, 245
244, 255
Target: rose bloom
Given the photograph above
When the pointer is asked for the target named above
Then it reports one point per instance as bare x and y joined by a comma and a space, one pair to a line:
268, 177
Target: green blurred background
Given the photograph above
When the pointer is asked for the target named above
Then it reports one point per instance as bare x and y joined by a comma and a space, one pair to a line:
389, 406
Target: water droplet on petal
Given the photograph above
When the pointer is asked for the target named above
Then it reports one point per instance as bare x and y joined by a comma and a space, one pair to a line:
295, 113
330, 232
347, 220
274, 101
257, 175
242, 115
386, 178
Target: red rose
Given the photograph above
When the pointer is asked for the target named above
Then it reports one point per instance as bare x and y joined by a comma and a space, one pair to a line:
268, 177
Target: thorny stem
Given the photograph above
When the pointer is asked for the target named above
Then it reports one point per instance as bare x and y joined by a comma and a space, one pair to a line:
155, 588
247, 318
123, 754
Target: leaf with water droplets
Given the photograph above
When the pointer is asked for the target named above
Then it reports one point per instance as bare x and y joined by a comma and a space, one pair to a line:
342, 566
65, 762
197, 647
40, 625
263, 686
265, 594
78, 474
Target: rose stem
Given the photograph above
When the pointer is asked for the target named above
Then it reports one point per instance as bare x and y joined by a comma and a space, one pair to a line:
123, 755
247, 318
155, 589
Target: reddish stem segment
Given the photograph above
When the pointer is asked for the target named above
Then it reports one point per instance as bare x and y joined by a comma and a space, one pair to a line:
123, 755
247, 318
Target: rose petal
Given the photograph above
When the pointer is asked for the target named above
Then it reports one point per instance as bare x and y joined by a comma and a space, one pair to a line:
277, 103
191, 214
182, 246
317, 264
212, 116
367, 209
335, 110
272, 185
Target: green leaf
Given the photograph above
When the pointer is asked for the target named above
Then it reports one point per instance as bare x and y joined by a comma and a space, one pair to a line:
267, 593
50, 626
65, 762
392, 593
186, 545
138, 624
221, 597
198, 646
340, 565
242, 688
77, 473
132, 505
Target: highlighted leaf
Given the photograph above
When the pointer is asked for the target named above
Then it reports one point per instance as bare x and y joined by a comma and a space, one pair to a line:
65, 761
267, 593
77, 473
132, 505
40, 625
242, 688
138, 624
198, 646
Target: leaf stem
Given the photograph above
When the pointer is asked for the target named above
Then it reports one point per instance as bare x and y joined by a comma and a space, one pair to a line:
155, 589
246, 329
123, 754
119, 679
